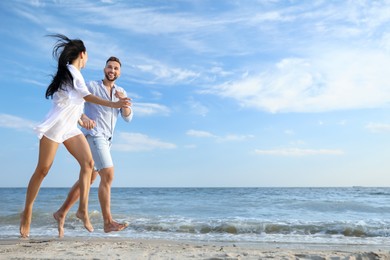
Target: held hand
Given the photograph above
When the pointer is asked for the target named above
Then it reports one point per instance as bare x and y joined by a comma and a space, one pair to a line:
119, 94
87, 123
122, 103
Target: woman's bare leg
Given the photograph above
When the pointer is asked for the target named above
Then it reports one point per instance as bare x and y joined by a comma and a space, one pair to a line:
71, 199
79, 148
47, 151
60, 214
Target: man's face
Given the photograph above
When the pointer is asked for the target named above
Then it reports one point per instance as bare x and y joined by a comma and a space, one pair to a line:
112, 71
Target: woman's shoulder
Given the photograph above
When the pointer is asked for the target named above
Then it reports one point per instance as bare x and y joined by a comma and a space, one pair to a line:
74, 71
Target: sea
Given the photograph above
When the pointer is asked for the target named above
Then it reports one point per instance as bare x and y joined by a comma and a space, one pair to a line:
343, 215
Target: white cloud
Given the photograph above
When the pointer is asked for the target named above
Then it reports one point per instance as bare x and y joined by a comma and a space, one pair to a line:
150, 109
217, 70
378, 127
37, 3
272, 16
297, 143
233, 137
29, 16
197, 107
166, 73
226, 138
298, 152
134, 142
344, 79
14, 122
197, 133
35, 82
385, 41
156, 94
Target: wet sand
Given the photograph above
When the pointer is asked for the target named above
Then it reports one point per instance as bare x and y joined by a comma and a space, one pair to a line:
124, 248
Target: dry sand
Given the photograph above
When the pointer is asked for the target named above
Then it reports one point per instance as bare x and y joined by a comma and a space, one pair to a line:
122, 248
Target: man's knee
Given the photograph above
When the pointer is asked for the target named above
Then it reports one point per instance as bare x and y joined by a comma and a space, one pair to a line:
107, 175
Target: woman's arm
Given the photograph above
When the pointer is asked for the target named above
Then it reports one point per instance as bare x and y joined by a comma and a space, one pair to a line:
86, 122
122, 102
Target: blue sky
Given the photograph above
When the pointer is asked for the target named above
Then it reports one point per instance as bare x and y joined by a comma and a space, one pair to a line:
225, 93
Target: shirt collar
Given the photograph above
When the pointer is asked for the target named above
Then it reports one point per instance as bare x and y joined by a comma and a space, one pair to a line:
102, 84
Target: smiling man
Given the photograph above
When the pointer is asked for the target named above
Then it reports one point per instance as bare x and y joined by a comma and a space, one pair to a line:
98, 124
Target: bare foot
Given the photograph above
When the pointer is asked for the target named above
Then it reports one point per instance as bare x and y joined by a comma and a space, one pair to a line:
85, 219
24, 228
60, 218
115, 226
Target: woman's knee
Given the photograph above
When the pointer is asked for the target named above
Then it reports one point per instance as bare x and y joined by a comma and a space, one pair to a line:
107, 175
88, 165
42, 171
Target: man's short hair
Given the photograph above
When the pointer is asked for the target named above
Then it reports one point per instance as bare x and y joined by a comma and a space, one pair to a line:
112, 58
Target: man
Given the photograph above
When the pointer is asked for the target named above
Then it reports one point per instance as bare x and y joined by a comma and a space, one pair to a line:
98, 124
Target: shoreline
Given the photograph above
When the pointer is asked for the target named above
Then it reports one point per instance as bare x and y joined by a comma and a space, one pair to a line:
129, 248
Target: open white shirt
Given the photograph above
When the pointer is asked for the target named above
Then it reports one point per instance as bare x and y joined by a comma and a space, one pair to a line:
60, 123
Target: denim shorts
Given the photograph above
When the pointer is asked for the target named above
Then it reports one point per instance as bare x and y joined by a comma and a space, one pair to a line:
100, 148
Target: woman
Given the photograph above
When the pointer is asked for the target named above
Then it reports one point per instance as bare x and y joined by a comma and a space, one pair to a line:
69, 92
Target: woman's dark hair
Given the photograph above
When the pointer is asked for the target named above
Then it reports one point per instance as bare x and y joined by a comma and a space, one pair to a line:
66, 51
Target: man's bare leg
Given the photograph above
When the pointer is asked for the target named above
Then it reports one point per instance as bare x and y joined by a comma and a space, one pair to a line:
106, 177
79, 148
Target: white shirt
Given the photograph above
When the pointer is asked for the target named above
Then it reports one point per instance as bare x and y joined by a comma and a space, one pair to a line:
60, 123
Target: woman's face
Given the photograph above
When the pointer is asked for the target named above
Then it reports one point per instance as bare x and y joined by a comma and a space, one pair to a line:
84, 56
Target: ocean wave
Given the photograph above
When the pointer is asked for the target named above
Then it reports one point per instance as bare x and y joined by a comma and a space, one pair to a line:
174, 224
348, 229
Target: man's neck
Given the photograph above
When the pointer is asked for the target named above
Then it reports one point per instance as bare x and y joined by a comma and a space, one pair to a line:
108, 84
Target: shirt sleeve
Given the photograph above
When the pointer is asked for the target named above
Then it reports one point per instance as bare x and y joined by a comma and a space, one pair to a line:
129, 117
78, 81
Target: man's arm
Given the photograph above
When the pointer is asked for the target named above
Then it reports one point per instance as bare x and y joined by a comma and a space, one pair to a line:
127, 112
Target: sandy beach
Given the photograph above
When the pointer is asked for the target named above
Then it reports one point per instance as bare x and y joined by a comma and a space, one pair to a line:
124, 248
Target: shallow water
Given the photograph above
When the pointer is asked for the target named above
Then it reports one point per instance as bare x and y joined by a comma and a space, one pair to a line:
353, 215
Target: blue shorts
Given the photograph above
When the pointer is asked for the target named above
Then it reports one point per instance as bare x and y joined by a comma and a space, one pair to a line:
100, 148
